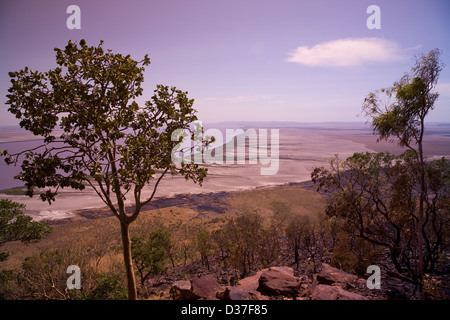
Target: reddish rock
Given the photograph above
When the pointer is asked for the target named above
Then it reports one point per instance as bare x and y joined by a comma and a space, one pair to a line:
326, 292
279, 281
251, 284
246, 289
329, 275
205, 287
234, 293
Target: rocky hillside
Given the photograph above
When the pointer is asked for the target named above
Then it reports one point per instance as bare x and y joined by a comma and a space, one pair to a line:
280, 283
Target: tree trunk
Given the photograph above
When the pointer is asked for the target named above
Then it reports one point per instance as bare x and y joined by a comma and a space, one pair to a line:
126, 242
421, 218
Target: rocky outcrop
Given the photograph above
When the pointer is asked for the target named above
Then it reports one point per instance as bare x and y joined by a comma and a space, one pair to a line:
273, 283
333, 284
204, 287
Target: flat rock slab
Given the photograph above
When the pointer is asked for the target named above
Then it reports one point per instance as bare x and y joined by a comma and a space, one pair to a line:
326, 292
279, 281
205, 287
330, 275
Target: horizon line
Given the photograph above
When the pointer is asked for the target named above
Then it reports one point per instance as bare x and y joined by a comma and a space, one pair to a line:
17, 126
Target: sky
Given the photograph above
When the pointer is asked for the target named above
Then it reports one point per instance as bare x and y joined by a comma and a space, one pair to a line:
243, 60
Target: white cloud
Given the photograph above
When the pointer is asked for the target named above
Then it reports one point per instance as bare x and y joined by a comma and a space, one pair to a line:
347, 52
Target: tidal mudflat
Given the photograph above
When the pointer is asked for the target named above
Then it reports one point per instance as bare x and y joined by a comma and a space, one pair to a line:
301, 148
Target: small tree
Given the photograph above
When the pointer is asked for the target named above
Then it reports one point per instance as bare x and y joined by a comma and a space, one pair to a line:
15, 226
150, 256
96, 134
244, 241
204, 245
370, 192
269, 246
396, 202
44, 274
106, 287
303, 236
222, 242
404, 119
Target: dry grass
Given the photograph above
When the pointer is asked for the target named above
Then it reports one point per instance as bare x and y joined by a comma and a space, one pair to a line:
102, 235
281, 199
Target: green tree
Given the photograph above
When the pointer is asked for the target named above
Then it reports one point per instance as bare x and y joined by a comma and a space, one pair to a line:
303, 234
96, 134
150, 256
399, 202
243, 243
204, 245
223, 244
108, 287
15, 226
367, 190
404, 119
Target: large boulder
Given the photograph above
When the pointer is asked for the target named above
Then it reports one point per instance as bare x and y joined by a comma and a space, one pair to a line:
205, 287
250, 285
329, 276
326, 292
181, 290
246, 289
277, 281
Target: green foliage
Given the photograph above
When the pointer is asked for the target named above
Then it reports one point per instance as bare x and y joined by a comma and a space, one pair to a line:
399, 203
94, 131
354, 254
377, 196
150, 256
107, 287
414, 98
247, 243
96, 134
204, 245
6, 284
298, 230
15, 226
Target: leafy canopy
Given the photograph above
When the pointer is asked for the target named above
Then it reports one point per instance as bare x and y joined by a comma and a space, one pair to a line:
94, 131
15, 226
413, 98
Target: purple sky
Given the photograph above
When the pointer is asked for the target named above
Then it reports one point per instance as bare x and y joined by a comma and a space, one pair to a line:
305, 61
